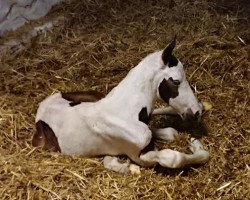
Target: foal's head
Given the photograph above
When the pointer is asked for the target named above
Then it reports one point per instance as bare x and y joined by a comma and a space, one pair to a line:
173, 87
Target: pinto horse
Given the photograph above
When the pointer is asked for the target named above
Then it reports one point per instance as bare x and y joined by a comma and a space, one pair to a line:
89, 124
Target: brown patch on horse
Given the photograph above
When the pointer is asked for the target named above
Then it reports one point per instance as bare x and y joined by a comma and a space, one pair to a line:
168, 89
76, 98
45, 137
144, 116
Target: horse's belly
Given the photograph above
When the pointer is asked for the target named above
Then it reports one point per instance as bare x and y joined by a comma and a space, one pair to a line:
87, 144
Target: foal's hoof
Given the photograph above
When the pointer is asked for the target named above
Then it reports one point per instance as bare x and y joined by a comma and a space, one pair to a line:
195, 145
135, 169
197, 148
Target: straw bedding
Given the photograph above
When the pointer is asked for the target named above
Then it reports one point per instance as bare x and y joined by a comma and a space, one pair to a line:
94, 49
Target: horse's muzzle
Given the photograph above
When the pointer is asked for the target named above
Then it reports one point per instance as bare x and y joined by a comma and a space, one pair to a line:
190, 116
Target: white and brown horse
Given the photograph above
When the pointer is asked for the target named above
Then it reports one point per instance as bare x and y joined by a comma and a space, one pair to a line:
88, 124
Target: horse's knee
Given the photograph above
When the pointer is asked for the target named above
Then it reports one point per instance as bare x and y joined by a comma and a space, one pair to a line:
171, 159
148, 159
166, 158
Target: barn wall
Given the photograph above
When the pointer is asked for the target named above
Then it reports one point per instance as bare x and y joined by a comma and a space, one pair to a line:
14, 13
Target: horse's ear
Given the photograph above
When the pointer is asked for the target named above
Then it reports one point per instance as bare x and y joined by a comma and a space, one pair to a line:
167, 56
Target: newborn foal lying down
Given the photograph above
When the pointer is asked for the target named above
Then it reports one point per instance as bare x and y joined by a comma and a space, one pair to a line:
86, 123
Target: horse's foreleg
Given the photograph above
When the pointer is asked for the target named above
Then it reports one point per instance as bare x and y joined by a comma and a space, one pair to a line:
168, 134
175, 159
164, 111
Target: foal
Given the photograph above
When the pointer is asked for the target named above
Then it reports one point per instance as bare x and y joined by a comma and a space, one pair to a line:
88, 124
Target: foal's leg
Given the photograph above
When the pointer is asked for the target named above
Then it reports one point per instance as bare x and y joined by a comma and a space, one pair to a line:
175, 159
112, 163
164, 111
169, 133
169, 110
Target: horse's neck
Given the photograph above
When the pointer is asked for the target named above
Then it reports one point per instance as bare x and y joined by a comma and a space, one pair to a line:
135, 91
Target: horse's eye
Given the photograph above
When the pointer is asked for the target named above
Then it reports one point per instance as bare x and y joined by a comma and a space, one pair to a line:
176, 82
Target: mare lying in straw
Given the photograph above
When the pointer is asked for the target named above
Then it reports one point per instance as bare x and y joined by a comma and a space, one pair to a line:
88, 124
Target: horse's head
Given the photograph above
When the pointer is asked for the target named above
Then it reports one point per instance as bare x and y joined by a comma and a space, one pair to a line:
173, 87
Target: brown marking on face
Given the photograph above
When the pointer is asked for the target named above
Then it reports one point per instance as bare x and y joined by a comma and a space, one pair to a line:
76, 98
45, 137
168, 89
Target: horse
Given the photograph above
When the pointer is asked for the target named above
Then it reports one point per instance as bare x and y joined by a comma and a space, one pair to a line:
91, 124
